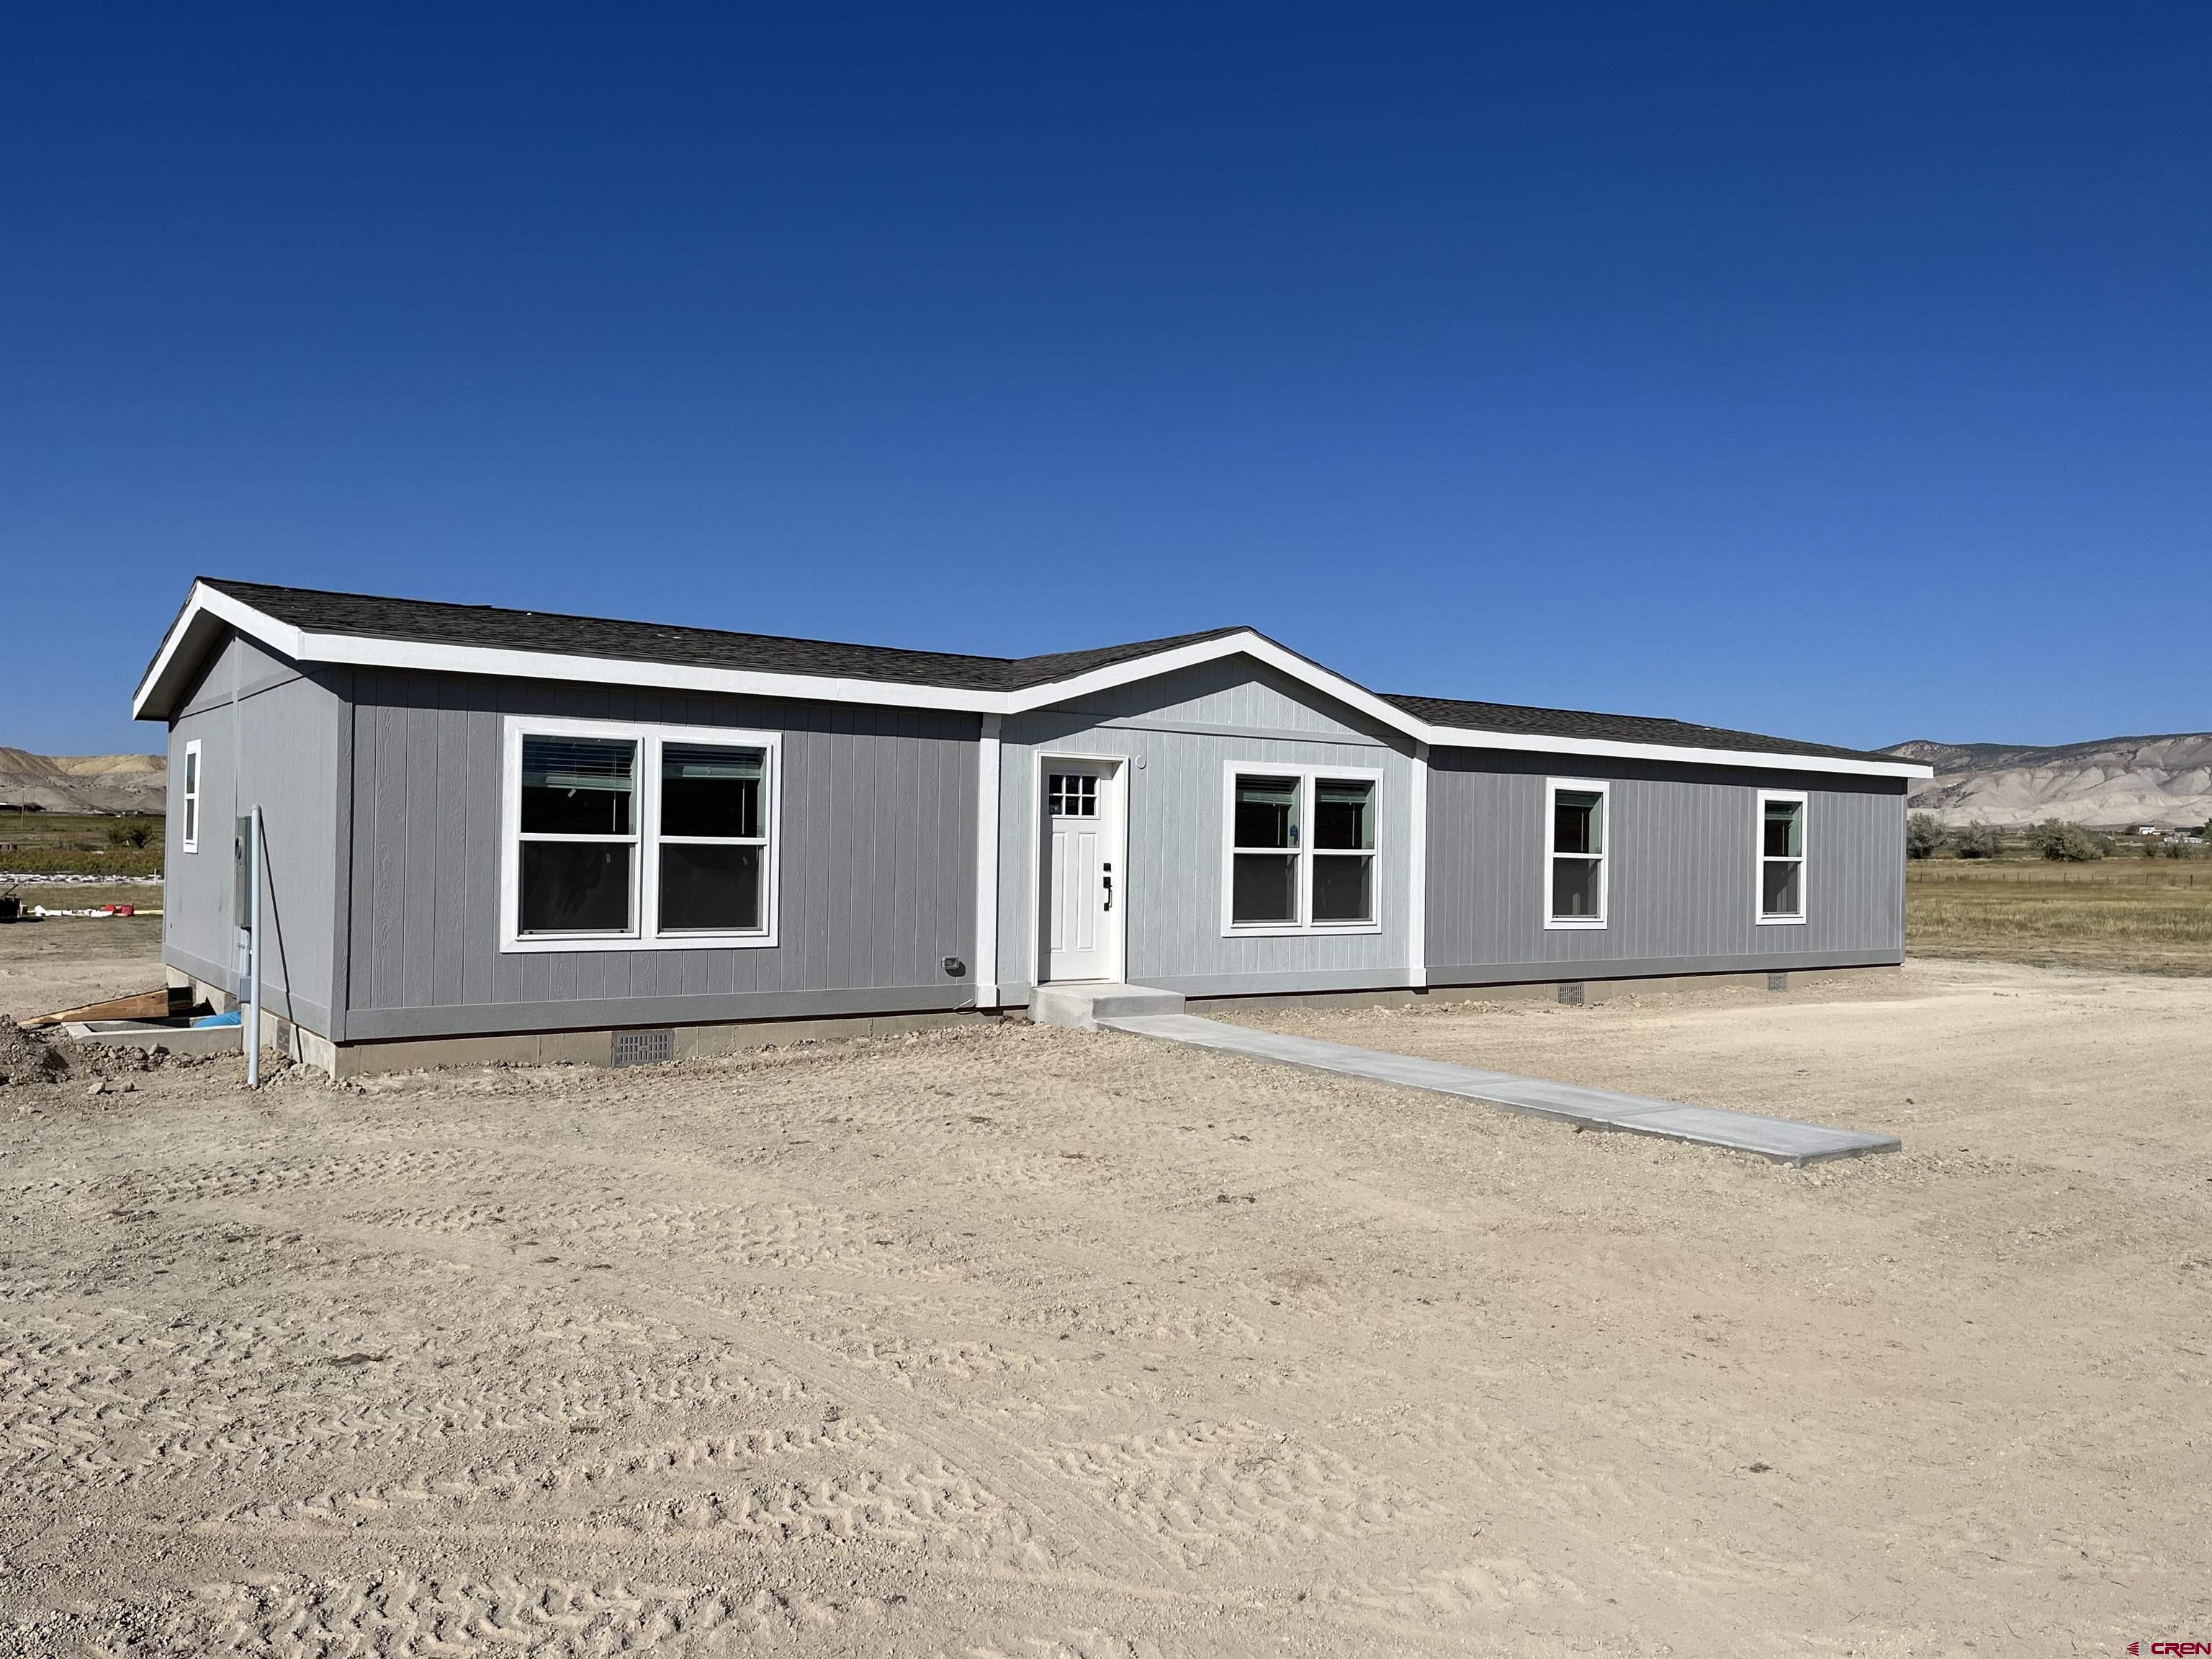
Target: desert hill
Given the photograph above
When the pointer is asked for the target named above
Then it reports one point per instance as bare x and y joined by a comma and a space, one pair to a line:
84, 783
2113, 783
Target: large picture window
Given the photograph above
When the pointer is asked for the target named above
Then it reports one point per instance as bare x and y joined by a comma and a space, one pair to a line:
1298, 850
1577, 815
625, 837
1781, 857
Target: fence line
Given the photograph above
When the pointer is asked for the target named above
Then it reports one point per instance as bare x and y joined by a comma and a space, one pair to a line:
2152, 878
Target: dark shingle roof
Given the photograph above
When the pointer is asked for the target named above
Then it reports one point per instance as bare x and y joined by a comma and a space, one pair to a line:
1525, 721
483, 625
486, 625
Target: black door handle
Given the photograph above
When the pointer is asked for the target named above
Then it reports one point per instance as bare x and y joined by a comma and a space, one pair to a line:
1110, 886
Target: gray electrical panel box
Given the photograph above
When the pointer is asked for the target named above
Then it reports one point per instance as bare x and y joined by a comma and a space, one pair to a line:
242, 870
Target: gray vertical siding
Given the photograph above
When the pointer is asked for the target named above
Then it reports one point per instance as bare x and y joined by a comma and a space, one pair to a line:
877, 866
1683, 847
382, 794
1183, 727
268, 738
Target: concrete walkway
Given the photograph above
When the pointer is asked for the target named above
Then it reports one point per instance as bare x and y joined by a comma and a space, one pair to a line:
1776, 1138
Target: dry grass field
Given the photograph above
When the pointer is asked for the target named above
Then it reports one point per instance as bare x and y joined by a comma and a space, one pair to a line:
2133, 915
80, 843
1008, 1341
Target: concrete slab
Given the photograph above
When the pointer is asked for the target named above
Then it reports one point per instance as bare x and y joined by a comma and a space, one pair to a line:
176, 1039
1084, 1006
1781, 1139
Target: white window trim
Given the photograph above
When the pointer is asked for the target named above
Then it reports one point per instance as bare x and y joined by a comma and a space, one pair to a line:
1305, 927
645, 866
1759, 861
1603, 789
195, 793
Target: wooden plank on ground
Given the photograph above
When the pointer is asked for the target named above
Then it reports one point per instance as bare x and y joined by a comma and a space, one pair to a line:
146, 1005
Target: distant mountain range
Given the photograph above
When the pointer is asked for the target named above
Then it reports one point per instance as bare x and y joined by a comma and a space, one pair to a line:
84, 783
2114, 783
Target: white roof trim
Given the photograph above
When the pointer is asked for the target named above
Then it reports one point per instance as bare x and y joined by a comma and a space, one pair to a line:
1457, 737
207, 605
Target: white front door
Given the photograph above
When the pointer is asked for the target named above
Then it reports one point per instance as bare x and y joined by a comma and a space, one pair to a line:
1083, 890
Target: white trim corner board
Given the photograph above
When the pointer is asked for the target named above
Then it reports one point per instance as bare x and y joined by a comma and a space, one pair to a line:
988, 830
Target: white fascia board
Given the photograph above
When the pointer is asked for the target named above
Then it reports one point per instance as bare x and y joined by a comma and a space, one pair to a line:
370, 652
1456, 737
1247, 644
367, 652
204, 601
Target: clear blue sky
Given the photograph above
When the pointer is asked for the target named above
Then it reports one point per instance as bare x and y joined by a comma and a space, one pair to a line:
1839, 372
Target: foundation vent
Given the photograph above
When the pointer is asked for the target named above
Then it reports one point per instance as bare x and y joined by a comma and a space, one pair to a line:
644, 1048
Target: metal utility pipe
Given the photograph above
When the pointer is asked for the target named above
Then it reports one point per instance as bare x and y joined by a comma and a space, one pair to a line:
253, 911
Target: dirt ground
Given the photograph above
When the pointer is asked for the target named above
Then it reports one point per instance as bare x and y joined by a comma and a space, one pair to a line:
1010, 1341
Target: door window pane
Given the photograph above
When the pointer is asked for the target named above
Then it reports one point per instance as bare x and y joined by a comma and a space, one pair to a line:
1578, 822
1265, 888
1344, 887
1574, 888
1267, 812
1074, 794
577, 786
1779, 886
1785, 828
1344, 814
576, 887
709, 790
710, 889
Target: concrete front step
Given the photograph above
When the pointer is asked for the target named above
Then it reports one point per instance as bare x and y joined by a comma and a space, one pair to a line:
1084, 1006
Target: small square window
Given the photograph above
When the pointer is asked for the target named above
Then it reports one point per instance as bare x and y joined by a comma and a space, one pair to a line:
1072, 794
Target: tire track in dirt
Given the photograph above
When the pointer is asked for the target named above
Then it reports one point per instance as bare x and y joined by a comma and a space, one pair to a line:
1115, 1546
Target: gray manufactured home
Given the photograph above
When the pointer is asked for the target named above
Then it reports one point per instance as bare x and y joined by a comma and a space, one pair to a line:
495, 833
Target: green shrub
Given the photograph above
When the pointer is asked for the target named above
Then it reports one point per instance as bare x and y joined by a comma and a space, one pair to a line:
1924, 836
1978, 841
2067, 843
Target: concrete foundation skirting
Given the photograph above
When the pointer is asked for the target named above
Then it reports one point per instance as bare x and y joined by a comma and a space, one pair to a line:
1567, 990
597, 1047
